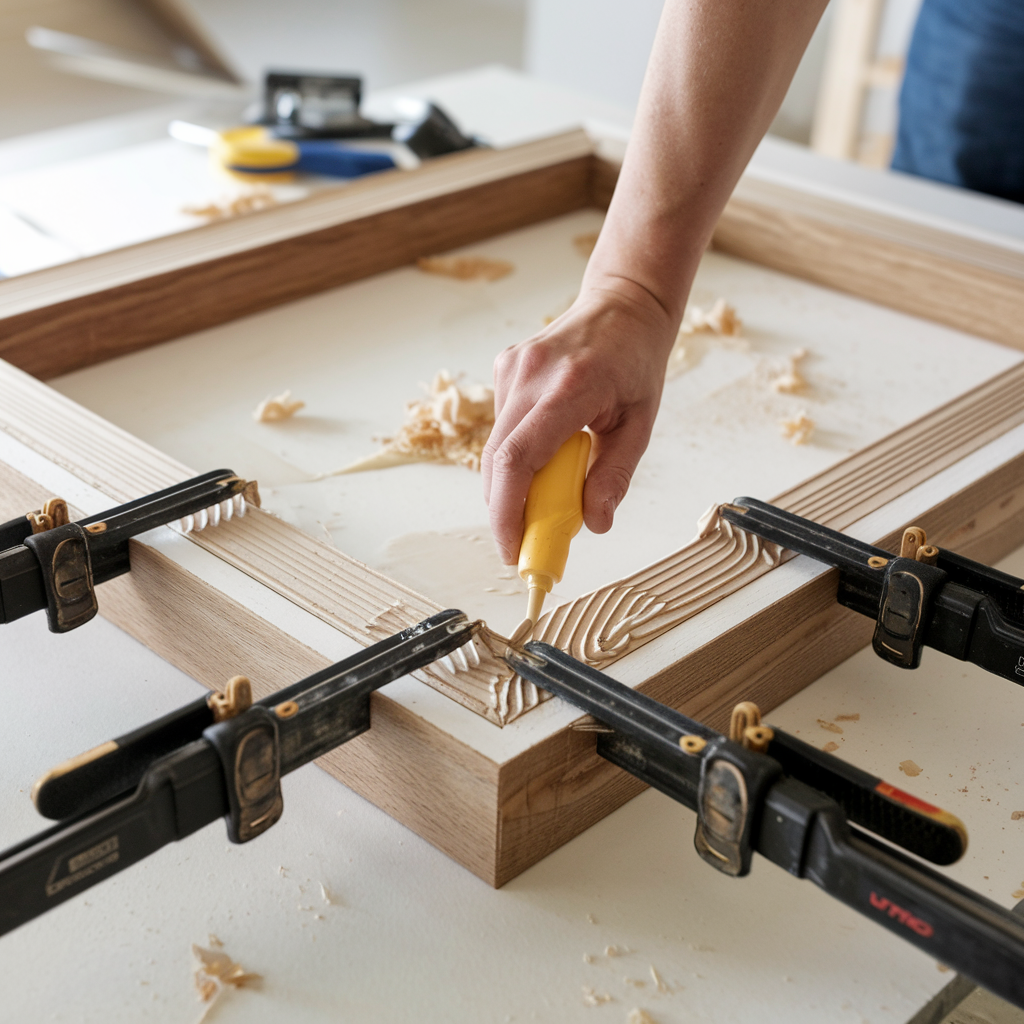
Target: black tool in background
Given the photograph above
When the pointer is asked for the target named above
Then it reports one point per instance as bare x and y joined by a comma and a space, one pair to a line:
306, 105
805, 811
925, 596
48, 562
217, 757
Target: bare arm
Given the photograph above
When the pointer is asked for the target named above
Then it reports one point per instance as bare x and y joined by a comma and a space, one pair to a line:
717, 75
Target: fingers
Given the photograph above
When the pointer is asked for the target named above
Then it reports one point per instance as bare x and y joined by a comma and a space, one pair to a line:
528, 446
618, 452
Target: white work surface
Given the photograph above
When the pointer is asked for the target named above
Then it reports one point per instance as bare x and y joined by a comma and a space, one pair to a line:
412, 936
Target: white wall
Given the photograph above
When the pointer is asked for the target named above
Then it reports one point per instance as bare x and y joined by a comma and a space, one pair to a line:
599, 47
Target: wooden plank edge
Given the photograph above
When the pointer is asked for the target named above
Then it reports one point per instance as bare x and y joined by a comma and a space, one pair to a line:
107, 323
981, 302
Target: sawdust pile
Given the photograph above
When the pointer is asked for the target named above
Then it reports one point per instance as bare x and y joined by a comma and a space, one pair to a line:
223, 209
465, 268
909, 768
798, 428
720, 321
450, 424
592, 998
215, 971
584, 244
791, 381
273, 410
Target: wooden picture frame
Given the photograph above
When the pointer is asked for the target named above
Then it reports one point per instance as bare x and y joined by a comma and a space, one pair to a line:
262, 598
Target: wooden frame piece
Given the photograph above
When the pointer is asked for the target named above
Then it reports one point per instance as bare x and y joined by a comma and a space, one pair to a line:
260, 597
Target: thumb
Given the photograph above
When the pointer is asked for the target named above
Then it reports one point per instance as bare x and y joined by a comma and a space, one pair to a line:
618, 453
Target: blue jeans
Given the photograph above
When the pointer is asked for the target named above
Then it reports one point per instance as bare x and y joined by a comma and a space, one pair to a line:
962, 101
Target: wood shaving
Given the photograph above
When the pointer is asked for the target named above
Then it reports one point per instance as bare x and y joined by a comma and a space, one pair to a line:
1018, 894
214, 942
635, 982
659, 982
1016, 815
223, 209
273, 410
638, 1016
591, 919
328, 896
831, 747
687, 351
592, 998
465, 268
798, 428
215, 972
791, 381
450, 425
613, 951
909, 768
584, 244
721, 319
848, 718
588, 958
830, 726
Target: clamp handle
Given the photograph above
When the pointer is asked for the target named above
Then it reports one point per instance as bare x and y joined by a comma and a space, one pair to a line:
63, 555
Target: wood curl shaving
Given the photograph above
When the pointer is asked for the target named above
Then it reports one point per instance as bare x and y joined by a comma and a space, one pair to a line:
215, 971
450, 424
274, 410
465, 268
223, 209
592, 998
798, 428
720, 321
791, 381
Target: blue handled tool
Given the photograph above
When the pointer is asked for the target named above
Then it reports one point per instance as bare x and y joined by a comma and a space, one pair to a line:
254, 151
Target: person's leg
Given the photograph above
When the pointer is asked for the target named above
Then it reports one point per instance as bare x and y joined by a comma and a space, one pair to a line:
962, 101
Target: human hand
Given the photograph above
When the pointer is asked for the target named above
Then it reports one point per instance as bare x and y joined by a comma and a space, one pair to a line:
600, 365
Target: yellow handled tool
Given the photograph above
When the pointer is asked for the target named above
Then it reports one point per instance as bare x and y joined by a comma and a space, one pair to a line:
553, 516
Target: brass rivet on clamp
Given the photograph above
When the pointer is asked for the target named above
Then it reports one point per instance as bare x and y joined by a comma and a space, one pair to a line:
757, 737
286, 709
692, 744
877, 562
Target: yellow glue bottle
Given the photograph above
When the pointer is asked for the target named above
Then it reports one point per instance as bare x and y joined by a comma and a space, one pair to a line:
553, 516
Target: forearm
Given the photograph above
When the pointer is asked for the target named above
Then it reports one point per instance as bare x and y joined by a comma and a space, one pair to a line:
718, 73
